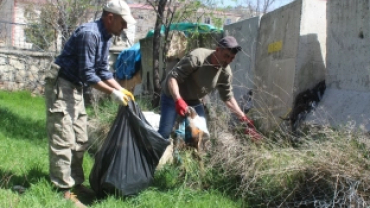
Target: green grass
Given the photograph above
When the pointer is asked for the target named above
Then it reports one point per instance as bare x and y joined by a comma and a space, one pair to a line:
24, 161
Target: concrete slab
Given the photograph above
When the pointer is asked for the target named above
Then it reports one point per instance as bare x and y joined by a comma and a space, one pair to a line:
342, 108
290, 58
347, 97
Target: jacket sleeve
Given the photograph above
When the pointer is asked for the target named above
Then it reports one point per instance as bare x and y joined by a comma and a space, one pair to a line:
224, 86
87, 50
184, 68
103, 71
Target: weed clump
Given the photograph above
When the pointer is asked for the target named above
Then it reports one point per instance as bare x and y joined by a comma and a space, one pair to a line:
326, 168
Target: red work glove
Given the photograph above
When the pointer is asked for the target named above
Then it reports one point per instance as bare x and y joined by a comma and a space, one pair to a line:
250, 129
181, 106
252, 132
248, 121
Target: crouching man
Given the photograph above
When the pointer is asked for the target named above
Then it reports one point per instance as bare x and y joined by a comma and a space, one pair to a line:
196, 75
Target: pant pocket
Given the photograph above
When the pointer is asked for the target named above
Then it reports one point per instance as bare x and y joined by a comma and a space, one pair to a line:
80, 129
68, 92
59, 127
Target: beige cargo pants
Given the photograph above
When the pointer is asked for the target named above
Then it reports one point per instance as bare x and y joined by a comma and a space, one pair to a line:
66, 123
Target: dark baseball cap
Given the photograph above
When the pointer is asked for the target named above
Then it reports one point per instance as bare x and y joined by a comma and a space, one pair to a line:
230, 43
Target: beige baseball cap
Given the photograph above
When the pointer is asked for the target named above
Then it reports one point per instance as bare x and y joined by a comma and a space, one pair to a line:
120, 7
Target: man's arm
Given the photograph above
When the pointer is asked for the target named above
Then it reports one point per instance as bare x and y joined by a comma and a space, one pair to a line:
234, 107
180, 105
179, 73
111, 86
104, 87
250, 130
107, 86
173, 87
113, 83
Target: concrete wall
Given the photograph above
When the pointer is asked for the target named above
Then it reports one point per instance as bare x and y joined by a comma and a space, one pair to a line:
289, 58
347, 97
310, 64
146, 50
243, 66
348, 45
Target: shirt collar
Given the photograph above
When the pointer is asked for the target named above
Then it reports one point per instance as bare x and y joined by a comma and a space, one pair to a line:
208, 61
102, 29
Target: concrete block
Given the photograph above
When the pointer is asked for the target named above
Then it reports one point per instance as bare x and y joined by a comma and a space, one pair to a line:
340, 108
290, 57
347, 95
146, 50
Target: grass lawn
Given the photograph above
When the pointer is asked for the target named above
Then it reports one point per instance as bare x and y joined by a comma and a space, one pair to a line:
24, 162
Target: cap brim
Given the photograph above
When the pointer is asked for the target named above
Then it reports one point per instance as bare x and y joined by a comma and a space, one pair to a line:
129, 19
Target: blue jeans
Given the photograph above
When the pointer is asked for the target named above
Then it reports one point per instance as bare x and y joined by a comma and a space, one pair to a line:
168, 115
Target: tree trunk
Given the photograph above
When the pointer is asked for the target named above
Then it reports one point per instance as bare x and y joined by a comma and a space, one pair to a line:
156, 47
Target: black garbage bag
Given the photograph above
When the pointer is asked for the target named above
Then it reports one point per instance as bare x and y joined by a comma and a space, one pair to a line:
125, 163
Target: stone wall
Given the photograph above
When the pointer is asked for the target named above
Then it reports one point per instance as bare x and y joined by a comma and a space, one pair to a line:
23, 70
26, 70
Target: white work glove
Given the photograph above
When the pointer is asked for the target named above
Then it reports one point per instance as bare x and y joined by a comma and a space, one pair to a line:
122, 96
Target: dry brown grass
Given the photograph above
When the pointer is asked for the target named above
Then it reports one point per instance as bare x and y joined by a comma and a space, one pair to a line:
327, 168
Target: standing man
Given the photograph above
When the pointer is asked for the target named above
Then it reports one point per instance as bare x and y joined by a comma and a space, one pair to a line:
196, 75
83, 61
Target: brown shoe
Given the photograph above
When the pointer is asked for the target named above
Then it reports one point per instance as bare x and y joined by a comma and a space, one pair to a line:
71, 196
83, 190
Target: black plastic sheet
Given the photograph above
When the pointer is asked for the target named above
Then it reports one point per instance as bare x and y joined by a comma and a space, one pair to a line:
126, 161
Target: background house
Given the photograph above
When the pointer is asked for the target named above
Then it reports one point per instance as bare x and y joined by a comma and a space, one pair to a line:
13, 22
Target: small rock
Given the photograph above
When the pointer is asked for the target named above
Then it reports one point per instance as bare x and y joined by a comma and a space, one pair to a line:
19, 189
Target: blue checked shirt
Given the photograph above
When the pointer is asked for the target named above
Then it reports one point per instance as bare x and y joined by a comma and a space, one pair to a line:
84, 59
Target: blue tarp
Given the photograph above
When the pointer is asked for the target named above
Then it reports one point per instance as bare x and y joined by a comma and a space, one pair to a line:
128, 62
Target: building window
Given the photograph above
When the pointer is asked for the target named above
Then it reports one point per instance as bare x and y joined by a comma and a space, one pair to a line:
227, 21
207, 20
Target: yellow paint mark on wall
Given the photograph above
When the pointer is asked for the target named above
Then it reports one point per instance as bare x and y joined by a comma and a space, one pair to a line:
275, 47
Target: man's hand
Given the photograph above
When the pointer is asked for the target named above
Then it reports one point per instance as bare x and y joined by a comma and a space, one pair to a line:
252, 132
128, 93
120, 97
248, 121
181, 107
250, 129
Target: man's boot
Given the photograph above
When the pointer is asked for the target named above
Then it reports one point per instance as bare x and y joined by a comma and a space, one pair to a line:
83, 190
71, 196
